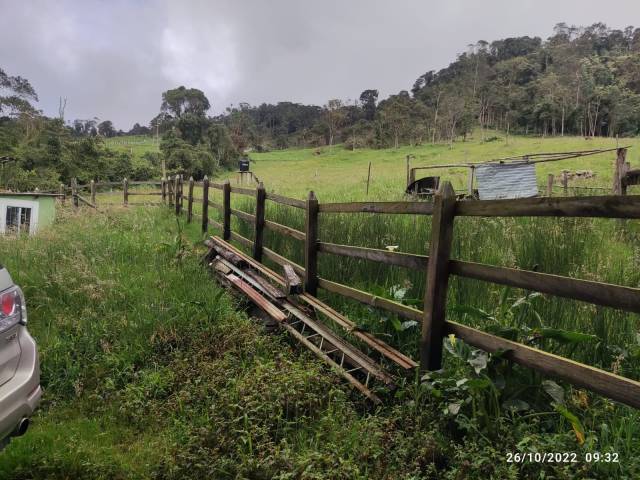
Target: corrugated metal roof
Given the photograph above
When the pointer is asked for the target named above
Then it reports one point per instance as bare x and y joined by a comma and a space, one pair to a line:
506, 180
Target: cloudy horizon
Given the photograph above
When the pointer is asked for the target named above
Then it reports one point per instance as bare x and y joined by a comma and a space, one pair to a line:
113, 60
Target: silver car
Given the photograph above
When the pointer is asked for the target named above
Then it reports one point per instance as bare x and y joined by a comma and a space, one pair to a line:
20, 390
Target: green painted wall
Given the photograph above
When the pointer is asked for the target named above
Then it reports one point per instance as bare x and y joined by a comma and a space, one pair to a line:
47, 213
46, 208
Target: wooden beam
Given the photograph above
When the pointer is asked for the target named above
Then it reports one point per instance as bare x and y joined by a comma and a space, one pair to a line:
435, 298
613, 386
125, 192
406, 260
420, 208
595, 206
292, 202
247, 217
261, 302
243, 191
371, 300
284, 230
605, 294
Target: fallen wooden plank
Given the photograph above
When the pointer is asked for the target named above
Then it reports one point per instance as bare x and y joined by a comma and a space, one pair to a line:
370, 340
227, 254
261, 302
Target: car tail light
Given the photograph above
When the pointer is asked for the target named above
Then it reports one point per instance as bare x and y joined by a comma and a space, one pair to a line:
12, 309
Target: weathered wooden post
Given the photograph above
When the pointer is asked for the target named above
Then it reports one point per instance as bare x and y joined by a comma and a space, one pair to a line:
565, 183
472, 170
311, 245
205, 204
190, 201
226, 210
170, 191
125, 192
181, 192
408, 163
619, 171
368, 178
435, 298
63, 193
412, 176
74, 191
93, 192
177, 199
550, 185
261, 196
163, 189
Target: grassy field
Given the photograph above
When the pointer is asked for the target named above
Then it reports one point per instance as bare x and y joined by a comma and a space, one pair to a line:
342, 174
149, 371
134, 145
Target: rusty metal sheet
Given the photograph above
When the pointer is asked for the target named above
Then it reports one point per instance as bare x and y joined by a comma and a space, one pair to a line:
506, 180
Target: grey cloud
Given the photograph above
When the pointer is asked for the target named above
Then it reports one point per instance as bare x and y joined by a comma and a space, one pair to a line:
114, 59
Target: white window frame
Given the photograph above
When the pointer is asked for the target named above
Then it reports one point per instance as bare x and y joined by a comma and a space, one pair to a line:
12, 202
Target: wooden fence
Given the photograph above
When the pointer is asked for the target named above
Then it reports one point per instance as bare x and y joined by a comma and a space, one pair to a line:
437, 265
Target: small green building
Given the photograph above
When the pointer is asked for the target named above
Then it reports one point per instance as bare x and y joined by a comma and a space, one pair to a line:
26, 212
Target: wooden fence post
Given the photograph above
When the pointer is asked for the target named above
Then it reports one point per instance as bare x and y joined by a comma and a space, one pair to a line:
163, 189
261, 196
125, 192
63, 192
472, 171
170, 191
226, 210
565, 183
181, 192
368, 178
205, 204
190, 201
619, 170
408, 162
176, 189
93, 192
550, 185
311, 245
435, 297
74, 191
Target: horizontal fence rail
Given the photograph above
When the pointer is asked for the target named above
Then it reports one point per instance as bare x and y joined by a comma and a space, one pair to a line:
420, 208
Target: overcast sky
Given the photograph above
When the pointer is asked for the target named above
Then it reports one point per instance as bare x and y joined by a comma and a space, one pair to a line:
113, 59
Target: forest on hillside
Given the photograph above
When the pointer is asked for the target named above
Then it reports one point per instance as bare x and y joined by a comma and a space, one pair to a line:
580, 81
